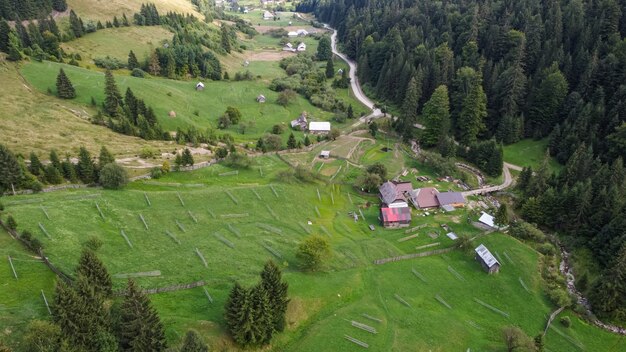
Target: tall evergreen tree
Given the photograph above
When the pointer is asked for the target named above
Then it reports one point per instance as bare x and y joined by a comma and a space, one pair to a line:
236, 311
330, 68
105, 157
65, 89
436, 117
112, 96
502, 216
262, 328
132, 61
272, 282
470, 121
193, 343
35, 167
140, 328
291, 142
4, 35
225, 33
96, 274
412, 100
324, 50
59, 5
76, 25
10, 171
187, 158
85, 166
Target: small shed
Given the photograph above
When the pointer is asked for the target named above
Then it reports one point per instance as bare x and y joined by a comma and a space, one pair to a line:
340, 71
325, 154
292, 34
267, 15
200, 86
301, 47
319, 127
487, 220
487, 260
260, 98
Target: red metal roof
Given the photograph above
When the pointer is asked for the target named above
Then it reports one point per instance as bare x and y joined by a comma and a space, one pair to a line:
395, 214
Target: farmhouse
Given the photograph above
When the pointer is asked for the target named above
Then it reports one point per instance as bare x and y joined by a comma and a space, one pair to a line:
426, 198
395, 217
301, 47
200, 86
395, 194
260, 98
319, 127
300, 123
289, 47
454, 199
487, 260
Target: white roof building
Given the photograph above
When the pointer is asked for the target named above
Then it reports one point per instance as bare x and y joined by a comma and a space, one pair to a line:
292, 34
486, 256
487, 220
319, 126
302, 32
267, 15
301, 47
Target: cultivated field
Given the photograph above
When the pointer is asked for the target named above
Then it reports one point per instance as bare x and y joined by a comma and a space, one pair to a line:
237, 220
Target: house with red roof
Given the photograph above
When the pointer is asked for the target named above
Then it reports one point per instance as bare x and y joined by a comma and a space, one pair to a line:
394, 210
395, 217
426, 198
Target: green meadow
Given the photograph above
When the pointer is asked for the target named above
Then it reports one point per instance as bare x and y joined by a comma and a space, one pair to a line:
529, 152
238, 219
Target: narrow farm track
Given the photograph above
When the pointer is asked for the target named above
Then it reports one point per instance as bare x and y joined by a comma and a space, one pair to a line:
508, 180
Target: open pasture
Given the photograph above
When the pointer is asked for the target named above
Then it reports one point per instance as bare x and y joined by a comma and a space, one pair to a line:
180, 222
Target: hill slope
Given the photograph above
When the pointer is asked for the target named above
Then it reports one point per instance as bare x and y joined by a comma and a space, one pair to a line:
105, 10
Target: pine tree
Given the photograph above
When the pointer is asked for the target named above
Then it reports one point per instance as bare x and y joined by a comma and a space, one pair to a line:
76, 25
411, 101
324, 50
4, 35
330, 68
96, 274
105, 157
225, 38
502, 216
132, 61
272, 282
112, 96
116, 22
65, 89
307, 141
59, 5
154, 67
85, 167
291, 142
234, 312
350, 112
52, 175
10, 171
193, 343
470, 121
187, 158
35, 167
436, 117
262, 328
140, 326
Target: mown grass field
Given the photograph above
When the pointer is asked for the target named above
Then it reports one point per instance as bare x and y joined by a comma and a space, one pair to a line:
33, 121
105, 10
117, 42
166, 95
266, 212
529, 152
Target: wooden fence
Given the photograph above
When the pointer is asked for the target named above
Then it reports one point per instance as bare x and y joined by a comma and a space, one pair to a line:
167, 288
413, 255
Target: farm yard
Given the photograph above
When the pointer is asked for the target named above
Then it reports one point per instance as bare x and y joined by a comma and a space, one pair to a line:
220, 225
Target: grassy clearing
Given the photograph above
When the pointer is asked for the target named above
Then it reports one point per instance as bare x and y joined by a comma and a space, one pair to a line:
350, 287
32, 121
180, 96
117, 42
105, 10
529, 152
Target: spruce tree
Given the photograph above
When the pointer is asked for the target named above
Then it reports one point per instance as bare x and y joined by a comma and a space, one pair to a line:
193, 343
52, 175
225, 38
140, 328
234, 311
105, 157
324, 51
291, 142
187, 158
112, 96
132, 61
307, 140
85, 166
502, 216
76, 25
470, 121
350, 112
411, 101
4, 35
262, 328
92, 268
65, 89
330, 68
59, 5
10, 171
35, 167
272, 282
436, 117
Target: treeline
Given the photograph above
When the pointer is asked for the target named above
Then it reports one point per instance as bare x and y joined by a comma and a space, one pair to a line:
13, 10
545, 66
17, 174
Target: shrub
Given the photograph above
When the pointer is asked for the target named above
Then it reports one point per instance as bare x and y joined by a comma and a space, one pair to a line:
303, 174
156, 173
286, 97
546, 249
113, 176
93, 243
526, 231
566, 322
221, 153
11, 223
137, 72
313, 252
109, 63
238, 161
278, 129
147, 152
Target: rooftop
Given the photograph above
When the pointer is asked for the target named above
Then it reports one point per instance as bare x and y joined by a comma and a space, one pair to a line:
392, 191
446, 198
486, 256
427, 197
395, 214
319, 126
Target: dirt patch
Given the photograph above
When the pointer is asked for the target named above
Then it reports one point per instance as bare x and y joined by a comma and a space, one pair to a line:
269, 55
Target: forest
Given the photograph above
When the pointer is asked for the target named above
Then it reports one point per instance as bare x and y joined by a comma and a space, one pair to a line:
511, 70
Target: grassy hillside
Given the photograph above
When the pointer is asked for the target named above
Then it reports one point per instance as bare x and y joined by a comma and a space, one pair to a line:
117, 42
180, 96
105, 10
529, 152
239, 216
32, 121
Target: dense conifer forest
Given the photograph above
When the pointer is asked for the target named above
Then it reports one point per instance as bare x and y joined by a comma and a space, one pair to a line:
512, 70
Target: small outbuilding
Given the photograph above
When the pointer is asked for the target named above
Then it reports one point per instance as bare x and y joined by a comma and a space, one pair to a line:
300, 123
395, 217
487, 220
325, 154
200, 86
426, 197
260, 98
292, 34
487, 260
267, 15
454, 199
301, 47
319, 127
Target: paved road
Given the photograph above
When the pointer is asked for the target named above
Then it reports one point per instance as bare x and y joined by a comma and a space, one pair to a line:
508, 180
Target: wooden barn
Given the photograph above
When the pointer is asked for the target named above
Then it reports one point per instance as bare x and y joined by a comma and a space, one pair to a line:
487, 260
395, 217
